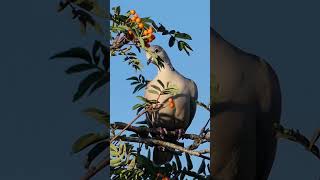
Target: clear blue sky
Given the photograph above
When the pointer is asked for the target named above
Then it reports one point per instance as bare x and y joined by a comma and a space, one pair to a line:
192, 18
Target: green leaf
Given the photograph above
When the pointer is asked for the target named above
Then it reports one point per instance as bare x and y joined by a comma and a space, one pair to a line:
142, 122
87, 5
149, 154
161, 83
79, 68
95, 48
180, 45
142, 98
153, 91
139, 87
171, 41
86, 83
118, 28
87, 140
142, 42
94, 152
161, 28
182, 175
99, 115
77, 52
99, 84
188, 46
156, 87
137, 106
178, 162
202, 167
189, 161
132, 164
183, 36
133, 78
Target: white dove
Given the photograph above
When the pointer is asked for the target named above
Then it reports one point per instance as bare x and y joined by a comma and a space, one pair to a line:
177, 118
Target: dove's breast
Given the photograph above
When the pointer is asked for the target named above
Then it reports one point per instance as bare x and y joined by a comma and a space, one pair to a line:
170, 118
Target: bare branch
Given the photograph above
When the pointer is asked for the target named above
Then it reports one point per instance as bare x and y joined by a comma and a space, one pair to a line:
296, 136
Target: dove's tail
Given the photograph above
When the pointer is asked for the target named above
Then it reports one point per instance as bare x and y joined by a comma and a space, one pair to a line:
161, 156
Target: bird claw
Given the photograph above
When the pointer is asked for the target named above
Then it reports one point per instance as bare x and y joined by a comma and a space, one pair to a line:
180, 133
161, 148
162, 131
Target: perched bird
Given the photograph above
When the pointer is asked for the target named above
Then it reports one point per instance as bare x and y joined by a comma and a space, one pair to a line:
246, 102
178, 110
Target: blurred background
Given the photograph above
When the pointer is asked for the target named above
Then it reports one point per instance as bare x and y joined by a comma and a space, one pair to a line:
286, 34
39, 122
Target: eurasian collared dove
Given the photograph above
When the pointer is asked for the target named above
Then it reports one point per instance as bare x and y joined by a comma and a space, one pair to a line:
168, 118
247, 103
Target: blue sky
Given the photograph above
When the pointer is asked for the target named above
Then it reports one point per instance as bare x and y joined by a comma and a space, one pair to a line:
192, 18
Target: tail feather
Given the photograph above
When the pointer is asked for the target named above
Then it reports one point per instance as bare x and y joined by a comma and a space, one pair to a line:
161, 156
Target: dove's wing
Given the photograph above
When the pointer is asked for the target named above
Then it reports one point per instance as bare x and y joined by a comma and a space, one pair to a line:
193, 98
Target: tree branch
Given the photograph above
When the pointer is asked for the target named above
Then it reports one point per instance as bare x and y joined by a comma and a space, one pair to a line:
144, 131
296, 136
153, 142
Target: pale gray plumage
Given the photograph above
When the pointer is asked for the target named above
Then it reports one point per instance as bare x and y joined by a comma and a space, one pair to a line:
179, 117
247, 103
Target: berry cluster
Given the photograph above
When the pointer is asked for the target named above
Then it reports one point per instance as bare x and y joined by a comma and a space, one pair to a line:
146, 32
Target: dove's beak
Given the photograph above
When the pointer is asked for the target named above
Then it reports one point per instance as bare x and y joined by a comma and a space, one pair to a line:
149, 61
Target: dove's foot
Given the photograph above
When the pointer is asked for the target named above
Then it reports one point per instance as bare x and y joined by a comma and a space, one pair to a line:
162, 131
161, 148
180, 133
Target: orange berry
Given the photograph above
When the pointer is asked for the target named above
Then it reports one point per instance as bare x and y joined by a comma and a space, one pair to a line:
130, 32
145, 32
171, 105
133, 19
165, 178
141, 26
138, 20
150, 30
170, 100
132, 12
136, 15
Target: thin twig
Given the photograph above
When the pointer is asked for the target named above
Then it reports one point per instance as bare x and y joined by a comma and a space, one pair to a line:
203, 105
132, 121
296, 136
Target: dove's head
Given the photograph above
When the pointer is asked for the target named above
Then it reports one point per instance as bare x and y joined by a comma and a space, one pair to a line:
160, 52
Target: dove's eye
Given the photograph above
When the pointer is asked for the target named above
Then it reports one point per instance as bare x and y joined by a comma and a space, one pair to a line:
157, 50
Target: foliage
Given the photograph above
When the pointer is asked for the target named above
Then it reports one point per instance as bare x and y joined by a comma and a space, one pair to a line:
94, 64
129, 37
